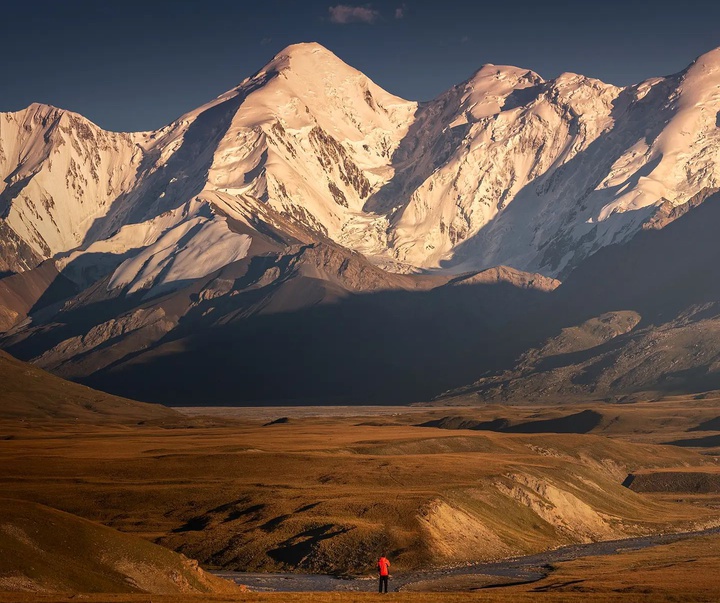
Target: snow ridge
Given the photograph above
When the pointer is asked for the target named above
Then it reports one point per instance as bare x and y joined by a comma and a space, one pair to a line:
503, 169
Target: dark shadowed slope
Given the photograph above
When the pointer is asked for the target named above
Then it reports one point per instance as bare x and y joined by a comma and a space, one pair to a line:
313, 340
581, 422
22, 293
27, 392
659, 273
315, 323
638, 317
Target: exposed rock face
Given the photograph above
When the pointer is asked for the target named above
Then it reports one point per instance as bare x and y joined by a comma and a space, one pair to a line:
503, 274
311, 322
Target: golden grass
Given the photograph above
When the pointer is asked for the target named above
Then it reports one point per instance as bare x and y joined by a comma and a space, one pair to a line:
48, 550
485, 597
326, 495
687, 570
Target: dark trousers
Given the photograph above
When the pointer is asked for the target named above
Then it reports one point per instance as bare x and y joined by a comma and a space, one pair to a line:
383, 583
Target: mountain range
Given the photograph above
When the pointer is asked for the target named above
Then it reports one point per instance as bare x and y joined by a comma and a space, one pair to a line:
310, 236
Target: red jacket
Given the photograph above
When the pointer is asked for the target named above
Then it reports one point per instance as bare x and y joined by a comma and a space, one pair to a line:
383, 566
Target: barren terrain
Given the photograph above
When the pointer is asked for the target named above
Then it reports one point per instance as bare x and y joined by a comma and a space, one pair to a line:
325, 494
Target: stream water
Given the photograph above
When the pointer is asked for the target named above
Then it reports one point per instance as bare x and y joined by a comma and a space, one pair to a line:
518, 569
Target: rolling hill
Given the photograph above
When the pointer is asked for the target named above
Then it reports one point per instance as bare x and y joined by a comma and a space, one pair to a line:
46, 551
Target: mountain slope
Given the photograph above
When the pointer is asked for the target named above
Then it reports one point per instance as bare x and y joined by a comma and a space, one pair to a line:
46, 550
236, 231
538, 175
21, 294
59, 172
314, 322
639, 317
505, 168
27, 392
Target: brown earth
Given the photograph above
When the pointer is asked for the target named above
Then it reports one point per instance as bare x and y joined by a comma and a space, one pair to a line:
23, 293
327, 494
684, 571
654, 420
44, 550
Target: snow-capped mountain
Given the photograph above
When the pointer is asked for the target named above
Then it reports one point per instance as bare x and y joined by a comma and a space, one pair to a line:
504, 169
59, 174
509, 169
299, 146
215, 240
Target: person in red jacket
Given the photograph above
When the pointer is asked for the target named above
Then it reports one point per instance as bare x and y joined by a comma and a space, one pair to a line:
383, 566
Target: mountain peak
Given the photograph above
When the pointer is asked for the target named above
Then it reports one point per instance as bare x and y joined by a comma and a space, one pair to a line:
303, 57
303, 48
306, 80
39, 109
505, 72
706, 65
709, 59
502, 79
44, 113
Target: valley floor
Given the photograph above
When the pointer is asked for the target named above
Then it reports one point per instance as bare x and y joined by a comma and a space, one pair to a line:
541, 568
323, 493
682, 571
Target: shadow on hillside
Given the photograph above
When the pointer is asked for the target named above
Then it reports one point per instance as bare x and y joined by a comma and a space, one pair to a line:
666, 276
386, 347
709, 425
659, 273
58, 290
27, 292
706, 442
295, 550
410, 160
305, 340
581, 422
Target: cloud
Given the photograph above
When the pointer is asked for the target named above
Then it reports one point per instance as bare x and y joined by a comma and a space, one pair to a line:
342, 14
265, 41
400, 12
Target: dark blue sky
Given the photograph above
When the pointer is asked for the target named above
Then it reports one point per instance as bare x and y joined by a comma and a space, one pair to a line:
131, 65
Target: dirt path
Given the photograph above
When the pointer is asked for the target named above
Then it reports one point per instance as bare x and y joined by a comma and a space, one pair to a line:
508, 571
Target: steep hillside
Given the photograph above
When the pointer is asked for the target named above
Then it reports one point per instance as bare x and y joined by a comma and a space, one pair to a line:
566, 166
45, 550
27, 392
314, 323
233, 236
24, 293
638, 317
510, 169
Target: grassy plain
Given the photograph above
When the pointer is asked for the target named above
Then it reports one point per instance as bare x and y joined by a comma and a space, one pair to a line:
328, 493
